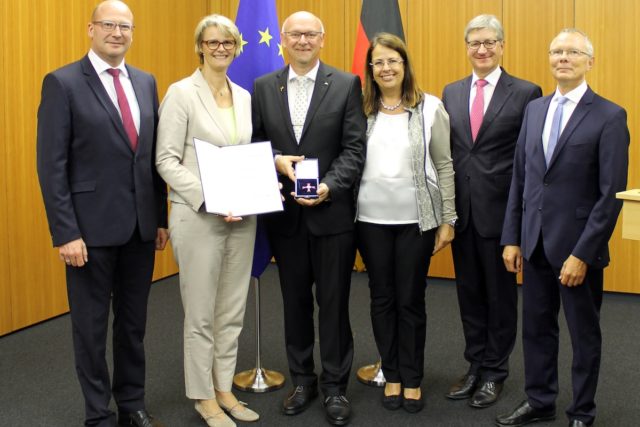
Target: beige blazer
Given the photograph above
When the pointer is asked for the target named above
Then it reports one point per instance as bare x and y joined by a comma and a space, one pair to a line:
189, 111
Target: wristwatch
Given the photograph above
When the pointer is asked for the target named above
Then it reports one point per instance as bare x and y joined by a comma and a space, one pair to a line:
453, 222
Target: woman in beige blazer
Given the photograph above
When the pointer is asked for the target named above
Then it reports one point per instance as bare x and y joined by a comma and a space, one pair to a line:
214, 253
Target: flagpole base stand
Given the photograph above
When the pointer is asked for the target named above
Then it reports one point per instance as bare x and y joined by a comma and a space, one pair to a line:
372, 375
258, 380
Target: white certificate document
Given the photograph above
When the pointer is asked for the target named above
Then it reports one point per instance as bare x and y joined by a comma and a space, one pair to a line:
240, 179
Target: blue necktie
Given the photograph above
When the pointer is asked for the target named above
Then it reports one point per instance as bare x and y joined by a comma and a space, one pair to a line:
556, 124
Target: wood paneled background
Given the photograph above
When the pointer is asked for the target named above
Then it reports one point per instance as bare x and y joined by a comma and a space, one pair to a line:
42, 35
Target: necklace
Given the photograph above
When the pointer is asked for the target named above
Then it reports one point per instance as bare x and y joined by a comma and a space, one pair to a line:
219, 92
390, 107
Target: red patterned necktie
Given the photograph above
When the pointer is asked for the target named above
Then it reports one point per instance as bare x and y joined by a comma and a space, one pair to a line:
125, 111
477, 108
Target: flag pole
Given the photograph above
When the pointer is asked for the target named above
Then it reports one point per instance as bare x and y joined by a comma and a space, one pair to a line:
258, 379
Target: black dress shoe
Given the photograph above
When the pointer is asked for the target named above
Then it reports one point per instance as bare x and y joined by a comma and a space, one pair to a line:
486, 395
138, 419
525, 414
464, 388
338, 410
577, 423
413, 405
392, 402
299, 399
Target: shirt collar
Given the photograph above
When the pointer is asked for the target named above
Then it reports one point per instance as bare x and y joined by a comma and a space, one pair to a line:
312, 74
574, 95
492, 78
100, 65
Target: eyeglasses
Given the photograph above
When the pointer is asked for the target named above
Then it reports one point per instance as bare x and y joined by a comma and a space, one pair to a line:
380, 63
571, 53
110, 26
297, 35
215, 44
488, 44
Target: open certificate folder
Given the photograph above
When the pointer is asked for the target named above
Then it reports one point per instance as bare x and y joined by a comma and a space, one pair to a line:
240, 179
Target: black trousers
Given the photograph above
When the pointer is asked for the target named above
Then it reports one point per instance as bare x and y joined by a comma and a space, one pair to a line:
542, 294
397, 259
304, 259
488, 300
124, 273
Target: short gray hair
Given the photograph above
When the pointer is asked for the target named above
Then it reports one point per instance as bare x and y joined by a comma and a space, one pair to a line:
587, 43
224, 24
485, 21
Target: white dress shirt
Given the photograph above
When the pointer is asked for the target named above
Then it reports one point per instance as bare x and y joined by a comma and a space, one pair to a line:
490, 87
574, 97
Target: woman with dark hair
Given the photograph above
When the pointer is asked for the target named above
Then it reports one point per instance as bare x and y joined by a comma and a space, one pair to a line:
406, 211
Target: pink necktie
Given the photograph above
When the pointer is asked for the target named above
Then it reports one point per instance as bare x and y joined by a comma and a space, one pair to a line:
477, 108
125, 111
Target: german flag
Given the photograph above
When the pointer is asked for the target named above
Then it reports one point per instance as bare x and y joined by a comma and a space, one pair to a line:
376, 16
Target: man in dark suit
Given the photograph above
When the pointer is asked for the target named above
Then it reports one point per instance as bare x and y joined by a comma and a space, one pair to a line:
106, 208
571, 159
486, 111
311, 110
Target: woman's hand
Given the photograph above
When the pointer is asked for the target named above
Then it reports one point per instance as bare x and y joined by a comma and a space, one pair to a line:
444, 235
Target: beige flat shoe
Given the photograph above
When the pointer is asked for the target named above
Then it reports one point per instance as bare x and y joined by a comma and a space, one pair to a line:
216, 420
240, 411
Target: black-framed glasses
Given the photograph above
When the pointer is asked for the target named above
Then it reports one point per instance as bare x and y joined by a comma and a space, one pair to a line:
571, 53
110, 26
309, 35
488, 44
215, 44
380, 63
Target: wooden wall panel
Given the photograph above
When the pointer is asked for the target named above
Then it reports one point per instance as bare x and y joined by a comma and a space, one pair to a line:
5, 275
613, 30
32, 286
529, 28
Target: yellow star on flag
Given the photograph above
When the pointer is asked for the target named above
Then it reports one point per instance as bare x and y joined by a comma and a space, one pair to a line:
265, 37
280, 53
242, 43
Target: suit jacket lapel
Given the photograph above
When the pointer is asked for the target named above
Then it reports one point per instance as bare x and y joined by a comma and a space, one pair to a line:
320, 89
209, 103
501, 93
538, 127
98, 89
144, 99
282, 95
581, 110
463, 105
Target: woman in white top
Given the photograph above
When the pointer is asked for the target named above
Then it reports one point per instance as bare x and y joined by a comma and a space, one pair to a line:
406, 211
214, 253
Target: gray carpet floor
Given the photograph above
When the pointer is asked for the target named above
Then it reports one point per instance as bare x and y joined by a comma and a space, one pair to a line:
38, 386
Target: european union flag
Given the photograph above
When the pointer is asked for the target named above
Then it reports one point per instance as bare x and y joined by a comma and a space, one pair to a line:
261, 51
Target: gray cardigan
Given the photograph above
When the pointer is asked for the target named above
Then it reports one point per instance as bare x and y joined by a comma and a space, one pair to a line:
436, 200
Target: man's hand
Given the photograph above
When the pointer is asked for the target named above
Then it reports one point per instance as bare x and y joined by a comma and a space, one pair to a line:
573, 271
512, 257
284, 165
74, 253
323, 194
162, 237
444, 236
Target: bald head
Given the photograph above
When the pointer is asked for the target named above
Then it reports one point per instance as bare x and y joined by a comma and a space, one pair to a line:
110, 4
302, 16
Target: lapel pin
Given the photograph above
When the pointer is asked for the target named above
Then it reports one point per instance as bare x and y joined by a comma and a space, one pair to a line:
281, 88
